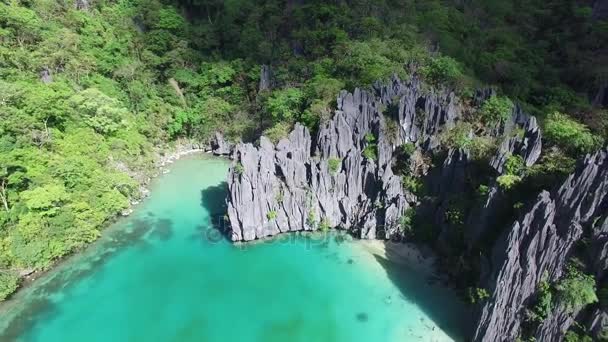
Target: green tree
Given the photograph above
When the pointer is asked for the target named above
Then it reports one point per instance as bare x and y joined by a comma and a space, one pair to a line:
496, 109
99, 111
576, 289
285, 104
278, 131
334, 164
442, 70
8, 284
570, 135
45, 199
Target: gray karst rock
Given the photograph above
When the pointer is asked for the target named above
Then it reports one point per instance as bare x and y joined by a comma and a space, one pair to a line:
348, 176
523, 138
539, 243
598, 323
311, 195
364, 195
601, 95
600, 9
599, 246
265, 78
219, 146
46, 76
82, 5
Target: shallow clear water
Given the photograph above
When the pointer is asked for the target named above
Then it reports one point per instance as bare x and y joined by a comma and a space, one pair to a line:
165, 274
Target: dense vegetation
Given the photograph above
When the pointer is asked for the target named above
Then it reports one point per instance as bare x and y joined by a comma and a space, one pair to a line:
89, 93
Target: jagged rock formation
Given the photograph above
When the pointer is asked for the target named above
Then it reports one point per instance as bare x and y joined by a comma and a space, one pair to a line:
46, 76
265, 78
290, 187
82, 5
219, 146
539, 243
348, 176
526, 143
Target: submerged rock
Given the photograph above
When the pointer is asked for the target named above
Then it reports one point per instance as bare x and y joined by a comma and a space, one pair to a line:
362, 317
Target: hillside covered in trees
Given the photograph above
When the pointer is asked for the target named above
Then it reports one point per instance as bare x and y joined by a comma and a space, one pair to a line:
92, 90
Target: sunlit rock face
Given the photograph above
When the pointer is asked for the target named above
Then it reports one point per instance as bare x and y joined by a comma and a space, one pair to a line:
292, 187
332, 180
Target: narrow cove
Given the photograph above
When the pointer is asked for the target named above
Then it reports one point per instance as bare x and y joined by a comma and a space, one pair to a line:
165, 274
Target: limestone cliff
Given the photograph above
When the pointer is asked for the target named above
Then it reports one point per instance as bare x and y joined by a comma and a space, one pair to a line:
349, 176
539, 243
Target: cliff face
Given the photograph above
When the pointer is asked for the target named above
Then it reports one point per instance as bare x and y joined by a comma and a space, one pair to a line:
539, 243
291, 187
348, 177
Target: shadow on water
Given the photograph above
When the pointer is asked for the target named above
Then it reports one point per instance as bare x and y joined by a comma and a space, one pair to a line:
439, 304
213, 200
39, 307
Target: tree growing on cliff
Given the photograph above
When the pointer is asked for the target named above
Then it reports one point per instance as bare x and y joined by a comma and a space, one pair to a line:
496, 109
576, 289
570, 135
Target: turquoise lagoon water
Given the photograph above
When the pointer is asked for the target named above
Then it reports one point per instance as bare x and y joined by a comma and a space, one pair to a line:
165, 274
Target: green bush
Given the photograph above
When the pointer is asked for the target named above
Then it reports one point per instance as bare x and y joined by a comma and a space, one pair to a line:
553, 166
391, 129
477, 295
507, 182
495, 109
483, 190
572, 336
442, 70
370, 138
370, 150
311, 219
365, 62
271, 215
285, 104
461, 137
543, 303
324, 225
454, 216
515, 165
277, 132
334, 164
239, 169
9, 282
406, 222
572, 136
408, 148
576, 289
411, 183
